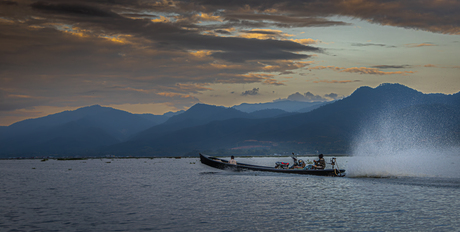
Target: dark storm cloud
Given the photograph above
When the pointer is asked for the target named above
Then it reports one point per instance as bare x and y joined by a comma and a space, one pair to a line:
224, 32
75, 9
173, 36
435, 16
8, 3
260, 32
64, 52
243, 56
285, 21
10, 102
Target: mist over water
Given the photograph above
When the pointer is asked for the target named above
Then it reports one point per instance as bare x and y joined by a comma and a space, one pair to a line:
404, 146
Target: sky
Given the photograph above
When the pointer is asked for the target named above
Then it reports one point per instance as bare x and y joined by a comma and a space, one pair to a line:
160, 56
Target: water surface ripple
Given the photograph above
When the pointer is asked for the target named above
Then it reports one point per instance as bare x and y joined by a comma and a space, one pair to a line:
185, 195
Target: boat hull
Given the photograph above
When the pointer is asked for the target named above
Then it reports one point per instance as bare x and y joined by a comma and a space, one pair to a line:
223, 164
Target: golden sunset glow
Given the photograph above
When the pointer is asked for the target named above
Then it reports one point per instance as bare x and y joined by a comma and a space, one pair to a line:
173, 54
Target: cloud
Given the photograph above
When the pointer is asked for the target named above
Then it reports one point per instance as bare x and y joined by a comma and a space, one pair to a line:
310, 97
372, 45
391, 66
436, 66
281, 20
263, 34
434, 16
332, 96
73, 53
335, 81
254, 91
419, 45
361, 70
368, 44
174, 36
326, 67
209, 17
52, 60
305, 97
72, 9
306, 41
11, 101
364, 70
285, 66
6, 3
270, 81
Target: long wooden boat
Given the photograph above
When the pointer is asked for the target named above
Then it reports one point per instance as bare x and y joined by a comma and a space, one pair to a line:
223, 164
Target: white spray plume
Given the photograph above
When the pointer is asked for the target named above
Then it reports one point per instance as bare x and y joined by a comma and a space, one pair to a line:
394, 147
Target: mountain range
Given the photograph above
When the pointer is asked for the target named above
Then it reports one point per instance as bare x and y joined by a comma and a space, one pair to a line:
332, 127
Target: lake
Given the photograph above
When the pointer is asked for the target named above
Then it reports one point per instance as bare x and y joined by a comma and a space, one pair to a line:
166, 194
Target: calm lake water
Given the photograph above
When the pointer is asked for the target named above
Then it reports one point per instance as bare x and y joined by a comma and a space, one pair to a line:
185, 195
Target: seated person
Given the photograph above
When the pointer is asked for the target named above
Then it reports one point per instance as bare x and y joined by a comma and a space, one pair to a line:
302, 164
232, 160
321, 163
298, 164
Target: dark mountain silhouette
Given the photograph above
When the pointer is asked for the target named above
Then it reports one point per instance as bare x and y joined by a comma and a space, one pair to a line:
269, 113
198, 114
202, 113
73, 138
313, 107
159, 119
120, 123
286, 105
72, 131
330, 128
411, 117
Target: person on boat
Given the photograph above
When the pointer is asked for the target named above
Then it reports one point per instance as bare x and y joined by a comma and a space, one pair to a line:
321, 163
302, 163
232, 160
295, 164
298, 164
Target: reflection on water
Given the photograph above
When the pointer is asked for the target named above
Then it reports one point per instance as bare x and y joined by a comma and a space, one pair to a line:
185, 195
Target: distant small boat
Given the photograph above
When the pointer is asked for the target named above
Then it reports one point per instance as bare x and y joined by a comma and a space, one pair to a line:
223, 164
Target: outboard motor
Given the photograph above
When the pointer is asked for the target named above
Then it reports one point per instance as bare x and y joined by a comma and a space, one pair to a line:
336, 170
281, 165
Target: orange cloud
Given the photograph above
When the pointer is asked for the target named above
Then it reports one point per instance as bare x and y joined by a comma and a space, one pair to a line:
264, 34
209, 17
419, 45
283, 66
201, 54
306, 41
364, 70
270, 81
162, 19
436, 66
